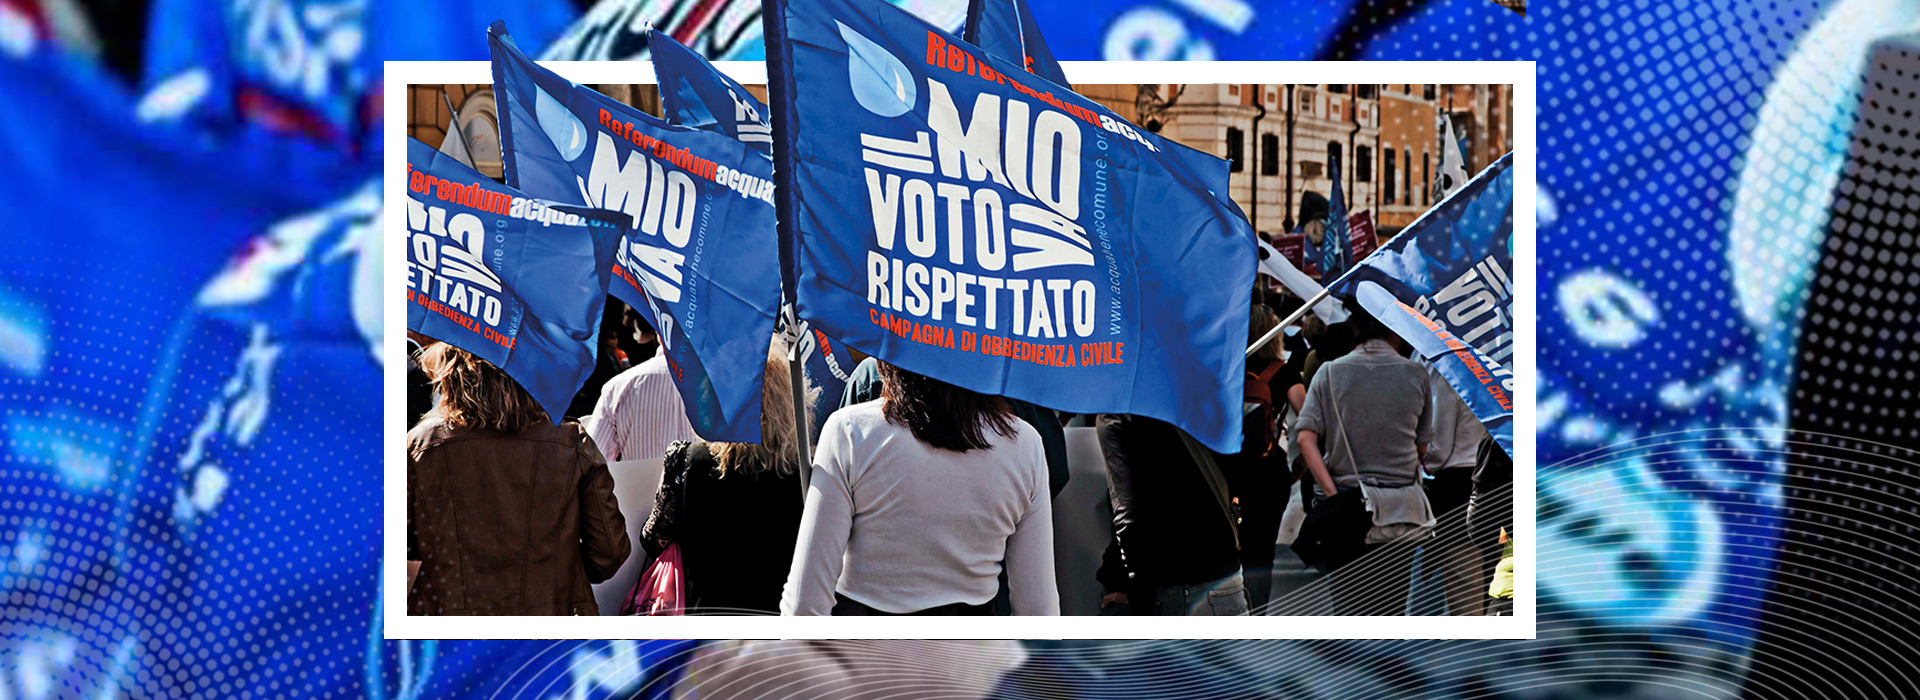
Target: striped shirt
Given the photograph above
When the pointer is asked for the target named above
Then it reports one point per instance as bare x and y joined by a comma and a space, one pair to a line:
639, 413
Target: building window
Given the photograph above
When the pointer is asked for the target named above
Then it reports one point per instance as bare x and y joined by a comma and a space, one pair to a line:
1269, 154
1236, 148
1406, 89
1233, 90
1363, 164
1391, 195
1333, 158
1426, 91
1365, 92
1426, 177
1406, 176
1337, 89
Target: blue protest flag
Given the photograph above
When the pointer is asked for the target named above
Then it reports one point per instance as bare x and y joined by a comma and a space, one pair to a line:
307, 72
693, 93
1444, 284
1335, 250
828, 366
968, 221
700, 262
515, 280
619, 30
1005, 28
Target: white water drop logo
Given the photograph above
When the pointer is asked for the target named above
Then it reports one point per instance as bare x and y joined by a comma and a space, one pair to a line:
561, 126
880, 81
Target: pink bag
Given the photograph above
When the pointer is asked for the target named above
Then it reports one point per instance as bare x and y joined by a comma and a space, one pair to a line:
662, 590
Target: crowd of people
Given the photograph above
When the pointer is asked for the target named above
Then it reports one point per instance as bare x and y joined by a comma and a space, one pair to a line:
923, 498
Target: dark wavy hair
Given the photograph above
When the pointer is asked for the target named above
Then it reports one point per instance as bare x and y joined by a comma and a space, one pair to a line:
474, 394
1362, 326
941, 414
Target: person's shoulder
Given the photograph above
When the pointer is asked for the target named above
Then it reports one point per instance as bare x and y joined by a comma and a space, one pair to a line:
1024, 432
426, 434
1026, 440
567, 431
1414, 367
863, 413
853, 420
648, 369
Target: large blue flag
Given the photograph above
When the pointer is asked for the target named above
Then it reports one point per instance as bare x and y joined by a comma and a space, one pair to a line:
516, 280
963, 219
700, 262
1444, 284
693, 93
1005, 28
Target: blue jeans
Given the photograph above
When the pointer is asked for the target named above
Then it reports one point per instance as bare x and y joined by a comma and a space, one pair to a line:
1223, 597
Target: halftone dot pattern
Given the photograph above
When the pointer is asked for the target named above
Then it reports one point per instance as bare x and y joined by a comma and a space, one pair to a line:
1857, 411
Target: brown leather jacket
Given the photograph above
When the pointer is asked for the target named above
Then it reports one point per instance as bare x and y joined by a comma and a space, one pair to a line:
516, 524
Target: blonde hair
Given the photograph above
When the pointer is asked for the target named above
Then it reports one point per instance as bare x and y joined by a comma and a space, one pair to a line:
1263, 320
776, 451
474, 394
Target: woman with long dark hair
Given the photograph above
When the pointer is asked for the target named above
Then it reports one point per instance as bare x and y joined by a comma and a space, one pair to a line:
509, 513
916, 500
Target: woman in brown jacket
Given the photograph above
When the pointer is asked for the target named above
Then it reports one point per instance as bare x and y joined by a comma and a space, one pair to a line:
507, 513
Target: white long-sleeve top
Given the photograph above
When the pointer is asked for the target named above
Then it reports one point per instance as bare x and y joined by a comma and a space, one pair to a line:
901, 526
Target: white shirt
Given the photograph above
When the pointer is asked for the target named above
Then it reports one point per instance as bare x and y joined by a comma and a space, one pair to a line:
639, 413
901, 526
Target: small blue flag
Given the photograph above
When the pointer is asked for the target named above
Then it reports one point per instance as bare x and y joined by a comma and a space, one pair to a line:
701, 260
694, 94
828, 366
1005, 28
963, 219
1335, 250
515, 280
1444, 284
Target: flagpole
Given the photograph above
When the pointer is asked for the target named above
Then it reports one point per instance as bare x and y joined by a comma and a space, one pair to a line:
803, 432
1327, 290
1295, 316
455, 124
779, 85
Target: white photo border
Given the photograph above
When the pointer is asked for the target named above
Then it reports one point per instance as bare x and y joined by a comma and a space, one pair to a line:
1519, 74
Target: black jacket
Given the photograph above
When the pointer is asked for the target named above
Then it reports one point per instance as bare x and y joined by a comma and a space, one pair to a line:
1168, 528
736, 534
